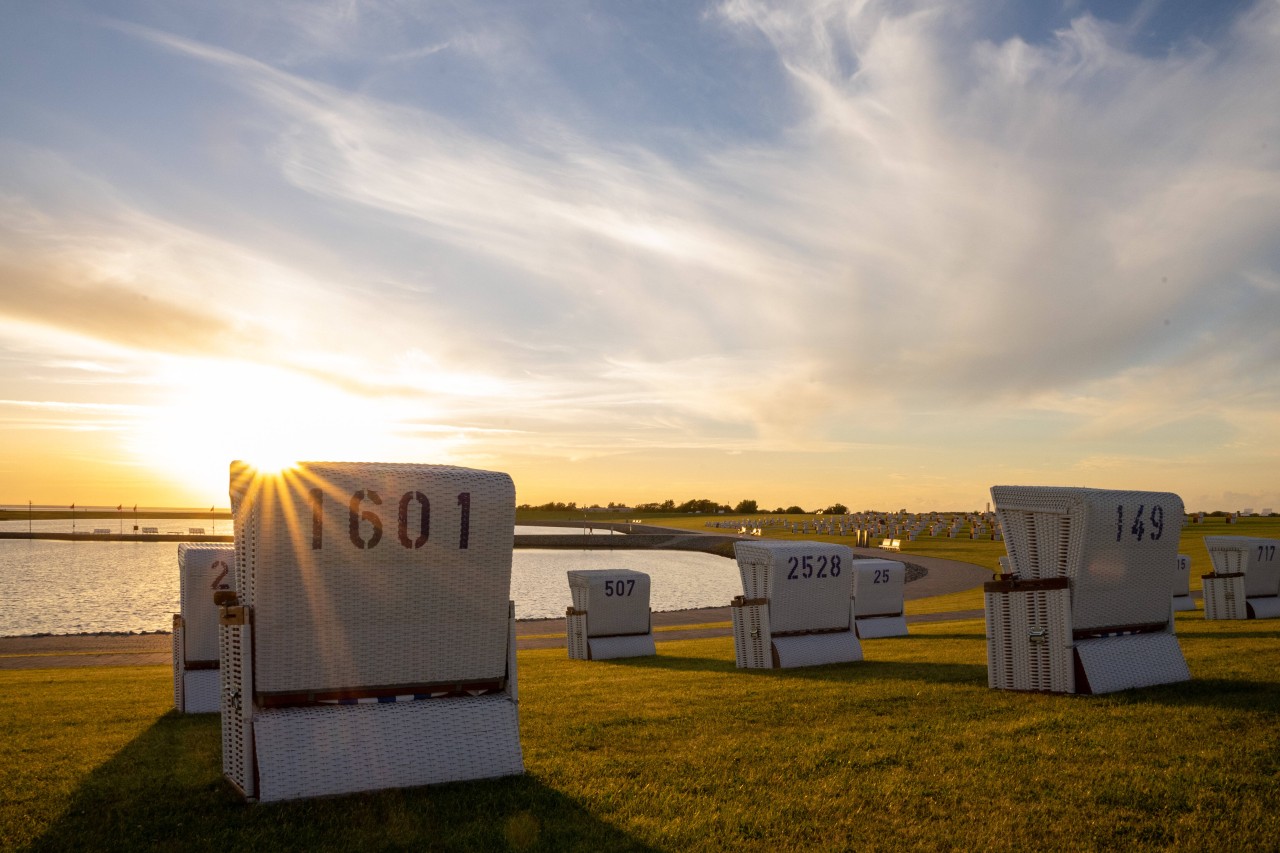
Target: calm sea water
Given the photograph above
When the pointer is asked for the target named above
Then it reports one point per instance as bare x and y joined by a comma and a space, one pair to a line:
74, 587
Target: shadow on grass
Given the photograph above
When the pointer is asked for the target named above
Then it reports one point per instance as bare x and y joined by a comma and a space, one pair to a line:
164, 791
849, 672
1230, 635
1221, 693
979, 637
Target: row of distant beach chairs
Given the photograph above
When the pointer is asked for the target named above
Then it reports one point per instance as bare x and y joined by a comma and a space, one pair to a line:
151, 531
359, 635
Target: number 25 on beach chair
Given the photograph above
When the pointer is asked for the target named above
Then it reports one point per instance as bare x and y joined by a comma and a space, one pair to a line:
372, 642
1087, 607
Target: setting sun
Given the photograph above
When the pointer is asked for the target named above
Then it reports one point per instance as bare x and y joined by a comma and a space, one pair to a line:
269, 417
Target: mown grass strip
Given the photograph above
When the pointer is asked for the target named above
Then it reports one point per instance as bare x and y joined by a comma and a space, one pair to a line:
908, 749
657, 629
83, 654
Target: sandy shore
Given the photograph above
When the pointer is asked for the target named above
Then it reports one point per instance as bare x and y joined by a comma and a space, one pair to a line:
943, 576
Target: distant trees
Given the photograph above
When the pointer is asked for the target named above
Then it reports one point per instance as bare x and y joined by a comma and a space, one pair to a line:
666, 506
551, 507
702, 505
746, 506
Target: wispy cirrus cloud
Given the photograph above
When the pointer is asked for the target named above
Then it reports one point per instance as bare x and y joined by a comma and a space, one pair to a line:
939, 228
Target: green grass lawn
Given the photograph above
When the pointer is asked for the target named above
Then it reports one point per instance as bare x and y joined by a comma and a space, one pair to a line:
682, 751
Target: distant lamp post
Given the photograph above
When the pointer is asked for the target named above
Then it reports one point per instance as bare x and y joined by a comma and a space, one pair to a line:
120, 517
73, 518
213, 520
135, 518
28, 518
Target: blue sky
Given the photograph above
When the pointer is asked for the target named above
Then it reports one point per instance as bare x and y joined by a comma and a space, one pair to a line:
887, 254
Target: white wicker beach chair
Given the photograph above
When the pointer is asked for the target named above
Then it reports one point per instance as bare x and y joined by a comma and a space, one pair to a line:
1087, 608
610, 615
372, 645
797, 607
203, 570
878, 587
1182, 599
1245, 581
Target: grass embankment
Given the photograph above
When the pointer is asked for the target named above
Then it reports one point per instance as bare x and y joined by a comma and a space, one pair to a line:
908, 749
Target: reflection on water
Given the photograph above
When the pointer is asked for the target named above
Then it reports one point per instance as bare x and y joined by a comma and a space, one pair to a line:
58, 587
681, 579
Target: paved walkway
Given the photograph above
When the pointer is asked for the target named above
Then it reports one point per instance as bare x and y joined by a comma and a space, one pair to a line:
144, 649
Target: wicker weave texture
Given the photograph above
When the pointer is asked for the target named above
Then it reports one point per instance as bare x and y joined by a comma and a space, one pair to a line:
309, 752
1123, 663
877, 627
1257, 557
1029, 640
1116, 547
576, 635
373, 574
616, 600
236, 670
1264, 608
1182, 600
202, 691
751, 639
1182, 575
1224, 597
817, 649
878, 587
623, 646
513, 680
176, 647
808, 584
203, 569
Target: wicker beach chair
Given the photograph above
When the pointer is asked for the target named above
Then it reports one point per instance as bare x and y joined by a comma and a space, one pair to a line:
372, 645
878, 587
1245, 581
1087, 608
797, 605
1182, 599
610, 615
203, 570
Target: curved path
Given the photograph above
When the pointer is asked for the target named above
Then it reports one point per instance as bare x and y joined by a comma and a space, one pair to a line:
943, 576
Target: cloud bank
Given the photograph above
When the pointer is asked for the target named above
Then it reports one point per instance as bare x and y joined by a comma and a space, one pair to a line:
851, 229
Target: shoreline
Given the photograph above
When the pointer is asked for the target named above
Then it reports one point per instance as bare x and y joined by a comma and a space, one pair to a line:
931, 576
62, 651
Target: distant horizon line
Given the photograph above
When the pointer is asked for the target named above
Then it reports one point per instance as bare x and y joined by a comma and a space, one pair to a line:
23, 507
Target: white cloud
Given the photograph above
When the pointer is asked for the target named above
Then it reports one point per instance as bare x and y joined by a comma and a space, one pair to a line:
950, 230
